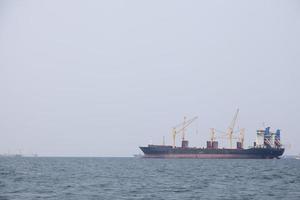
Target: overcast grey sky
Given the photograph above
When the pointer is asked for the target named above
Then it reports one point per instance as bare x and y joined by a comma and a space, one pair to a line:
100, 78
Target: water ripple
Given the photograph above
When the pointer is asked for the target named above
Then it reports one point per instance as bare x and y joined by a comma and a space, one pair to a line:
129, 178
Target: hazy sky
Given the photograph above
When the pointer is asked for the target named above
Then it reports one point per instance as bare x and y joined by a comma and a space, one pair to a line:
100, 78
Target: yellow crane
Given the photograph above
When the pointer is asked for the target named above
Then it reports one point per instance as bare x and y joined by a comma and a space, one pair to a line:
240, 137
231, 127
177, 130
229, 133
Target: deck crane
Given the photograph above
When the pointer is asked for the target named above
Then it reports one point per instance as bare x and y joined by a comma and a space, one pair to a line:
242, 136
231, 127
239, 137
177, 130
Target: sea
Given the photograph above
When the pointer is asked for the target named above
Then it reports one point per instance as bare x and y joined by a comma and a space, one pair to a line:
137, 178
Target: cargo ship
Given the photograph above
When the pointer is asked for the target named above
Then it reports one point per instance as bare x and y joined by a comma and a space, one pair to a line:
266, 146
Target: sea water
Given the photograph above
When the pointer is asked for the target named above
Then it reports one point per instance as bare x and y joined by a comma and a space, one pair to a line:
136, 178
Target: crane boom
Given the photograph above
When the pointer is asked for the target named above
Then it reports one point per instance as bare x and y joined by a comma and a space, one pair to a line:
232, 124
185, 124
229, 134
231, 127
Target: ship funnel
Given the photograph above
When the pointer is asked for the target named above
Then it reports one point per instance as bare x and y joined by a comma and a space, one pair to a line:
277, 138
277, 134
267, 137
267, 131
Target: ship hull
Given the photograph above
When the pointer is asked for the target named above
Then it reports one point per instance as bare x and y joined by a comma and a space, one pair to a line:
157, 151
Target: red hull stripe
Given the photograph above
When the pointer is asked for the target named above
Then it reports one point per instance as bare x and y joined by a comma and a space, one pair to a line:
202, 156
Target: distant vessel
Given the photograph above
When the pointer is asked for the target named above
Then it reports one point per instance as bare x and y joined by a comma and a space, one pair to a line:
138, 155
17, 155
11, 155
267, 145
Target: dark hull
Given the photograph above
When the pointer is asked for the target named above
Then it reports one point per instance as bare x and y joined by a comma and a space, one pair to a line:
156, 151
